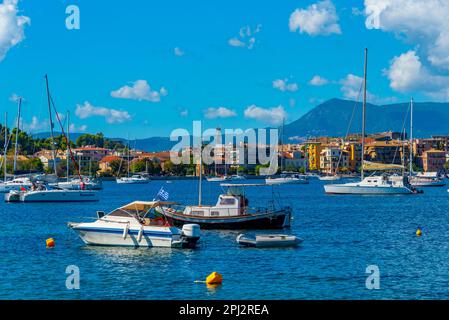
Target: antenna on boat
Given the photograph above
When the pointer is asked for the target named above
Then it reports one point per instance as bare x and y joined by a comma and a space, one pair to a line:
17, 134
365, 70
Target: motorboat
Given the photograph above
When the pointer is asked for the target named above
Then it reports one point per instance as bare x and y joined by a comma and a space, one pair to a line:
268, 240
217, 179
287, 179
232, 211
427, 179
329, 178
237, 177
136, 224
374, 185
76, 184
15, 184
134, 179
44, 193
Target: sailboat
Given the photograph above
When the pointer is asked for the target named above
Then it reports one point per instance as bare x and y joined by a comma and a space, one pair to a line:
135, 178
43, 192
217, 177
286, 177
421, 180
374, 184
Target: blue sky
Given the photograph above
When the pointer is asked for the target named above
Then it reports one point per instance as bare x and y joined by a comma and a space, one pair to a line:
120, 43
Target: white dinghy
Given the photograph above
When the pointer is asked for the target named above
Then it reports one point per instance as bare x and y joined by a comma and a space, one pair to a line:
269, 240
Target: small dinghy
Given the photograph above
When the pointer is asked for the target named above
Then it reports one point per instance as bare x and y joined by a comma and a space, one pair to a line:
269, 240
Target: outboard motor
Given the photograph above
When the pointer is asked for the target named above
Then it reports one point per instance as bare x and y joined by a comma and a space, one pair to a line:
191, 234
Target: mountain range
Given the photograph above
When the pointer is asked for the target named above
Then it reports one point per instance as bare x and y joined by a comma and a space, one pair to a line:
333, 118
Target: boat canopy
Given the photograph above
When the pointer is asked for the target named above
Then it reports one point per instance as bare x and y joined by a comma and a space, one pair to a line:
374, 166
145, 205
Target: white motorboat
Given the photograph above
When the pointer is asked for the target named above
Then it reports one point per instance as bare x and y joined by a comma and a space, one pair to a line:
287, 179
217, 179
15, 184
237, 177
268, 240
44, 194
373, 185
422, 181
329, 178
136, 224
75, 184
134, 179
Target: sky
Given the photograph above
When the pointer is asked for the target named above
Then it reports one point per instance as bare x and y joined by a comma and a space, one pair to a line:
144, 68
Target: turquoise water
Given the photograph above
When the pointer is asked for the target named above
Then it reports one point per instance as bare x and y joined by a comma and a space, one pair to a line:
342, 236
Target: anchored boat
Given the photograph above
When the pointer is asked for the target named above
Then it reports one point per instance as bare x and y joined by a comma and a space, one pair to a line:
232, 211
136, 224
47, 194
268, 240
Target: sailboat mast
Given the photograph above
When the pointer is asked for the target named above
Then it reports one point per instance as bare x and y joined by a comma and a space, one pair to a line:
365, 70
51, 126
68, 144
411, 139
201, 176
17, 134
5, 149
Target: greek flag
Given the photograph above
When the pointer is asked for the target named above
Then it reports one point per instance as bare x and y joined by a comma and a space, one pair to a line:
162, 194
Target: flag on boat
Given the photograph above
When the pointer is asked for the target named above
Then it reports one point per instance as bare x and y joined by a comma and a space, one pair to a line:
162, 194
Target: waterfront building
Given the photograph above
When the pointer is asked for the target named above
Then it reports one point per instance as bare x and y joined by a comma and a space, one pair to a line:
433, 160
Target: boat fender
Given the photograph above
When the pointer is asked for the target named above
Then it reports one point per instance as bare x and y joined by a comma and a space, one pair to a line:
125, 231
140, 234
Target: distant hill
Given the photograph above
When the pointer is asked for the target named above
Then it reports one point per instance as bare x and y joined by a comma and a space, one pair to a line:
332, 118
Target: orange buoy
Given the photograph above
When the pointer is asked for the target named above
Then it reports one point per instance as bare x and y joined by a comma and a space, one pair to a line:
214, 278
50, 242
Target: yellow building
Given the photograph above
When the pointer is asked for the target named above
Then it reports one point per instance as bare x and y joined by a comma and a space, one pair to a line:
313, 155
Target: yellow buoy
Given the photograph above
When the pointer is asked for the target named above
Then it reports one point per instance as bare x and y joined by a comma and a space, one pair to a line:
50, 242
214, 278
418, 232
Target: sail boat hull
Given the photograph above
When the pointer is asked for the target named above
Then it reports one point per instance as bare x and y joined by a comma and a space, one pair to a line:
365, 190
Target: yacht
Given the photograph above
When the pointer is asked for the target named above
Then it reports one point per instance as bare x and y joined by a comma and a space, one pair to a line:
43, 193
232, 211
134, 179
375, 184
329, 178
15, 184
426, 180
287, 179
217, 178
76, 183
136, 225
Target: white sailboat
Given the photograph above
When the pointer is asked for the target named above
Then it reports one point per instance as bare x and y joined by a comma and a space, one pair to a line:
44, 193
372, 185
135, 178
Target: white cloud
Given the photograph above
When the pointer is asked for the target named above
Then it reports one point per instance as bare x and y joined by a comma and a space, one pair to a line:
35, 125
406, 74
178, 52
273, 116
15, 98
74, 128
246, 37
422, 22
318, 81
87, 110
220, 112
283, 85
184, 113
11, 26
351, 87
140, 90
317, 19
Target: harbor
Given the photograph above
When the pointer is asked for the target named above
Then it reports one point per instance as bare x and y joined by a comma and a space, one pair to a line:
342, 236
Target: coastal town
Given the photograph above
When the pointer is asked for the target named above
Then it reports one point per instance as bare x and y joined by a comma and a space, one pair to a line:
98, 156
